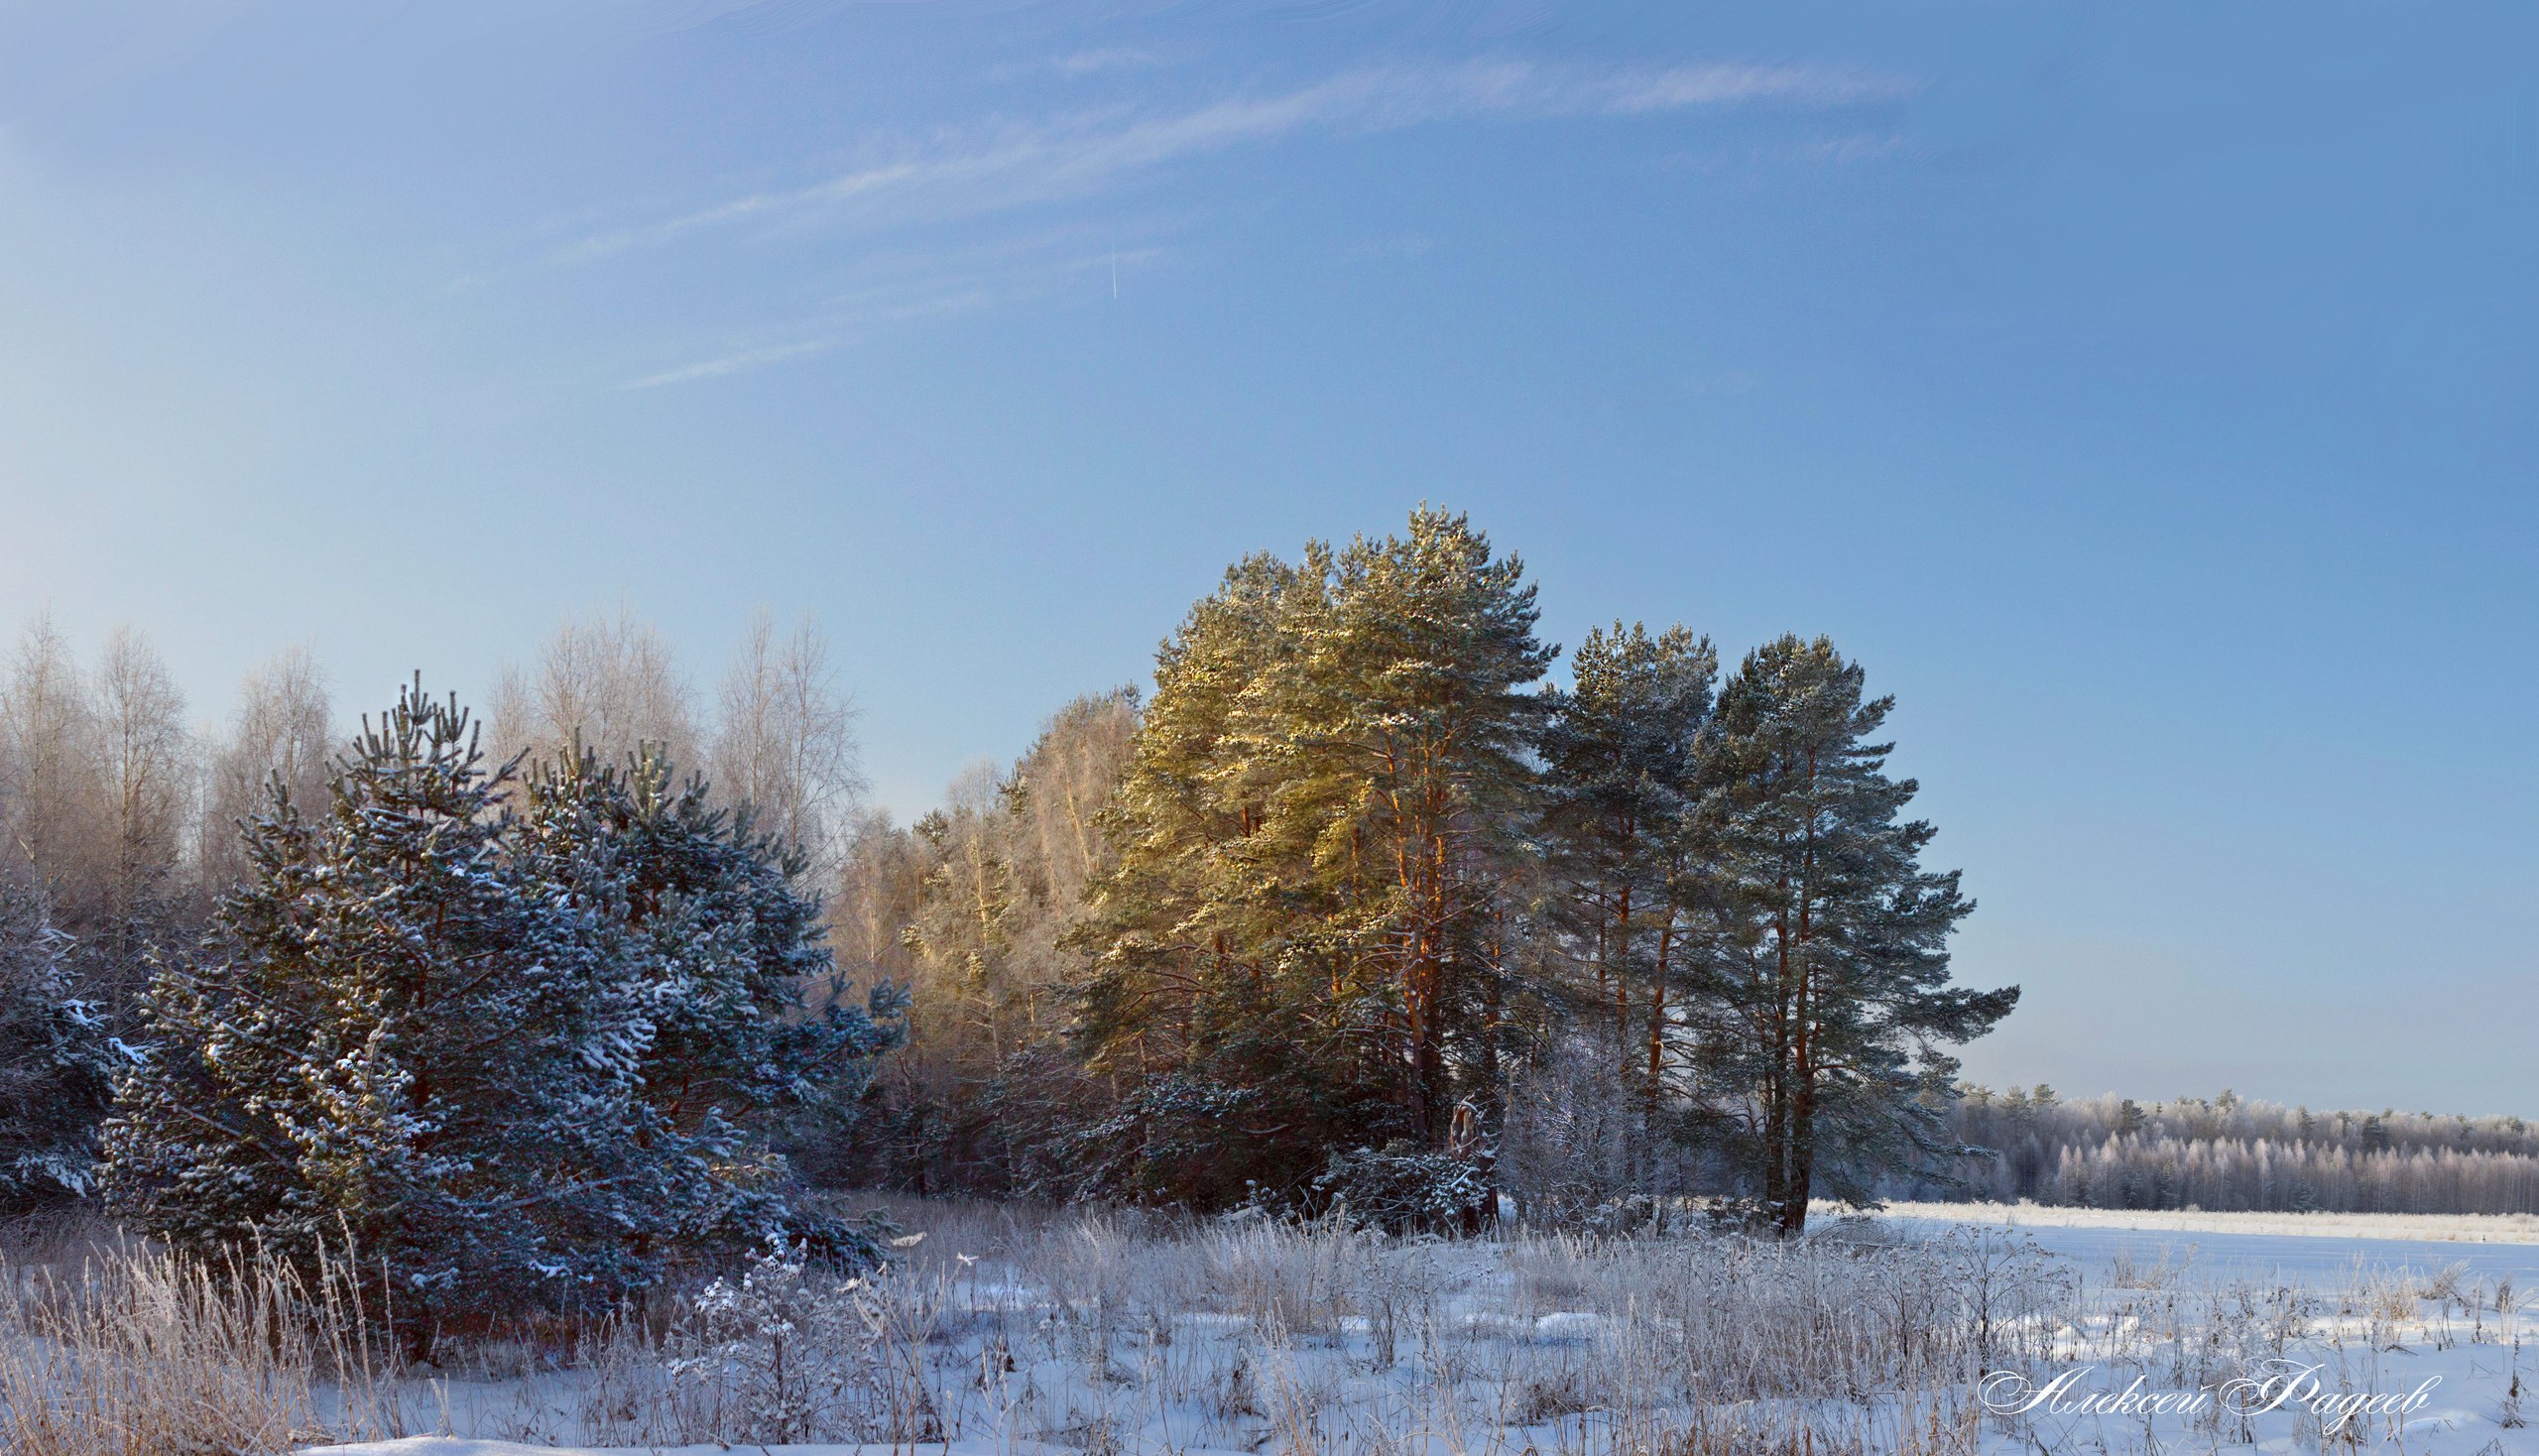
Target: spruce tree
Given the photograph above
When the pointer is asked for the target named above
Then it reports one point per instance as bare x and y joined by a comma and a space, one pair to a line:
1828, 1005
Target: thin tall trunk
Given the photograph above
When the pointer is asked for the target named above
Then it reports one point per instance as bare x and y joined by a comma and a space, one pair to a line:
1622, 980
1651, 1095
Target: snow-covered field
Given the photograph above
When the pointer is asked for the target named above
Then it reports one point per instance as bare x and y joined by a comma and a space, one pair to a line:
1870, 1338
1000, 1335
2318, 1250
2403, 1228
464, 1446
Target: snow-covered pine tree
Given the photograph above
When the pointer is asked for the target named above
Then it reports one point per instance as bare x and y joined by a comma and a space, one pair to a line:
516, 1058
369, 1038
697, 1032
56, 1061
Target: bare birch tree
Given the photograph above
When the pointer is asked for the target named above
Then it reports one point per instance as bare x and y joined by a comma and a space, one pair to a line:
146, 768
284, 729
607, 683
785, 740
49, 786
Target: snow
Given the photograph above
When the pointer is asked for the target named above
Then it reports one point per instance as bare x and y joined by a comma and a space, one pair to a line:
455, 1446
2382, 1306
2466, 1379
2404, 1228
2319, 1259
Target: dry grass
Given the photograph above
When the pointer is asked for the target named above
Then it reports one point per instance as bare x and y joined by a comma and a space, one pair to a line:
133, 1352
1118, 1333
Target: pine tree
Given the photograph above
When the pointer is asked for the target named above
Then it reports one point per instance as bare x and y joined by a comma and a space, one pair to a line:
1308, 928
1619, 759
709, 1026
1413, 702
1224, 1039
1827, 1000
55, 1059
351, 1053
516, 1059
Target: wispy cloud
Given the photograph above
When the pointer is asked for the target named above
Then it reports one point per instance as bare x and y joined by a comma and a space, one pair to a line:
1092, 61
1844, 150
1086, 63
1078, 63
1021, 271
1013, 165
1021, 164
1399, 245
739, 362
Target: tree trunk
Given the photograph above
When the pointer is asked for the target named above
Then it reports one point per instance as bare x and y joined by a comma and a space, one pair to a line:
1802, 1159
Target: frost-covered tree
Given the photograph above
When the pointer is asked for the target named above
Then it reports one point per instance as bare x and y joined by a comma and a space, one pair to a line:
56, 1061
284, 726
522, 1057
361, 1038
785, 740
604, 682
52, 794
714, 1023
976, 897
2227, 1153
146, 768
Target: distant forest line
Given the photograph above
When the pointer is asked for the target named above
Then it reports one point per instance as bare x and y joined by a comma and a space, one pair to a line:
2224, 1153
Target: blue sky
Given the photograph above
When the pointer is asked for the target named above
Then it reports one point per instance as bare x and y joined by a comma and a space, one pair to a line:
2144, 394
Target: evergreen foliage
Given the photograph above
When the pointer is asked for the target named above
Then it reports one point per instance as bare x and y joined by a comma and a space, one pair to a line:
1355, 910
520, 1057
1306, 944
1369, 885
55, 1059
1621, 759
1826, 1002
